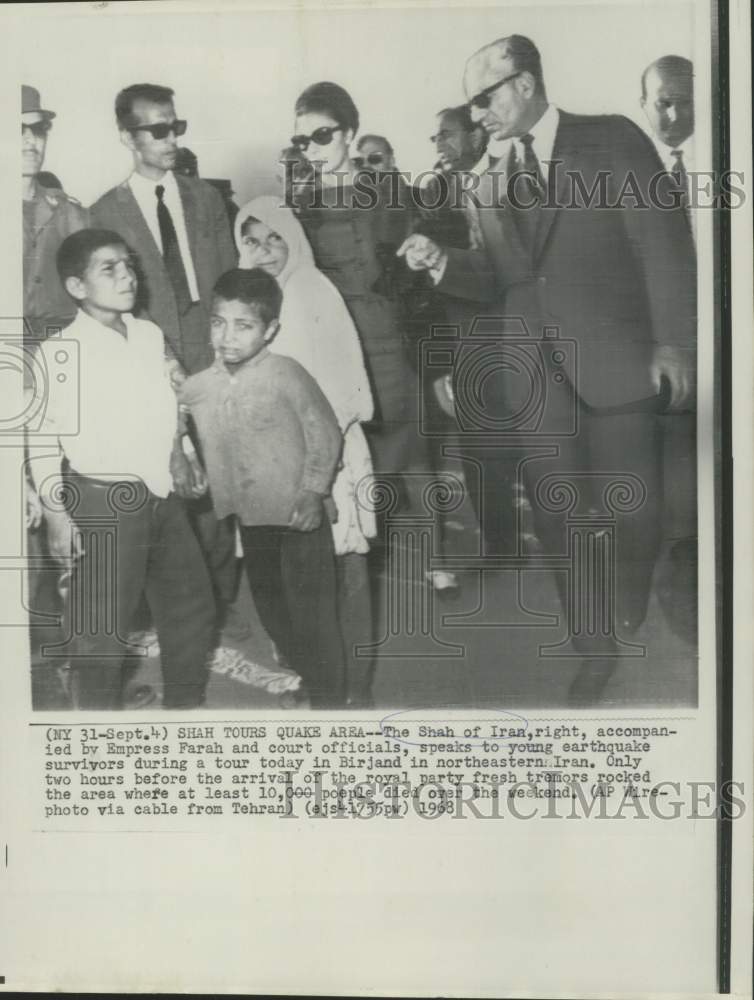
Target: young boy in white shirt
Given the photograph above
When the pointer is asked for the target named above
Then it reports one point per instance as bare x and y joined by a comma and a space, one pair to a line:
115, 517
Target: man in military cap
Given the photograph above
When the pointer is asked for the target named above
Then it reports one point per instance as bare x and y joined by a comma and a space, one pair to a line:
49, 216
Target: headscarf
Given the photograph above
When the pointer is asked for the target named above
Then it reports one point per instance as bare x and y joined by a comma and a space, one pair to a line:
316, 330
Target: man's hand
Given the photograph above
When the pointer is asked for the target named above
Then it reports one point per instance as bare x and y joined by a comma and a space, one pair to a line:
189, 480
63, 538
675, 363
307, 511
176, 373
421, 253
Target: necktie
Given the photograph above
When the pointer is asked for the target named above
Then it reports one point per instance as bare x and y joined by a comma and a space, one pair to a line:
532, 168
529, 190
680, 176
171, 253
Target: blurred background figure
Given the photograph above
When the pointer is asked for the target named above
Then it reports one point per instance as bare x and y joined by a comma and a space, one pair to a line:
187, 164
458, 141
48, 180
667, 97
49, 215
375, 153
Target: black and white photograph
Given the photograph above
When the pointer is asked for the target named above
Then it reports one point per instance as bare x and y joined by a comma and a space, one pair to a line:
351, 393
375, 380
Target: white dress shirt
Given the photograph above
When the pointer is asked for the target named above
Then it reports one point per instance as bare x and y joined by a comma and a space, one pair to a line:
689, 162
127, 410
543, 141
666, 154
144, 191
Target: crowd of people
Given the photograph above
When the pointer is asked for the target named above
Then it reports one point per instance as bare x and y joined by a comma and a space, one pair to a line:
243, 374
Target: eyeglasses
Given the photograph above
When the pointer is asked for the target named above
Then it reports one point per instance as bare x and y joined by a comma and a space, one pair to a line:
483, 99
38, 129
320, 137
374, 160
161, 130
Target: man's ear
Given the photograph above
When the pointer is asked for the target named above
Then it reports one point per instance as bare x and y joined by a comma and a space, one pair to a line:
75, 288
526, 84
272, 328
127, 139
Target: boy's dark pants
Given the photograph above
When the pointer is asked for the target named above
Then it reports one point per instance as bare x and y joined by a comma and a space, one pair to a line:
136, 543
292, 579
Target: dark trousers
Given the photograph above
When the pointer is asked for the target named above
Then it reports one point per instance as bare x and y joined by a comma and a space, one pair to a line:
356, 623
292, 580
605, 452
136, 544
217, 540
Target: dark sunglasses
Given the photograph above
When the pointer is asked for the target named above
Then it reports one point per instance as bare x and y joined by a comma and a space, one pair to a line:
38, 129
374, 160
162, 130
320, 137
483, 99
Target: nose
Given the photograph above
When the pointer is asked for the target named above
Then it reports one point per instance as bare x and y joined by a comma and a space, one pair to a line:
477, 114
672, 113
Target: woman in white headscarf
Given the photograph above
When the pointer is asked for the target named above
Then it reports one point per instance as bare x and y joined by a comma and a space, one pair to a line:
316, 330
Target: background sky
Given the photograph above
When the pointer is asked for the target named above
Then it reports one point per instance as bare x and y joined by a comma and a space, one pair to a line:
237, 73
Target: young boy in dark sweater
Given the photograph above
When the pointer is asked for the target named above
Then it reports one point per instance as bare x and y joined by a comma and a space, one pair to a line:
271, 444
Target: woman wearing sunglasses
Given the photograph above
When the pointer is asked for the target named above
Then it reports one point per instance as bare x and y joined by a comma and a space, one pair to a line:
354, 239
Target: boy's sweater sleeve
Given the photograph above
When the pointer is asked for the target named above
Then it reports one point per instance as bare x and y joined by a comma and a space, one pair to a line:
319, 425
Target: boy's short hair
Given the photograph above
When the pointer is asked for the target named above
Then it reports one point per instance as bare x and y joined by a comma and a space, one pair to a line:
151, 92
254, 288
76, 250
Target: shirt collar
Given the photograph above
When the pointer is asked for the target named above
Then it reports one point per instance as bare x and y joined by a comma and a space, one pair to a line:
666, 152
147, 187
88, 325
543, 133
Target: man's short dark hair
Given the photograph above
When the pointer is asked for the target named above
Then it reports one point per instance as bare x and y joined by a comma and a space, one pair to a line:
124, 102
461, 115
526, 58
252, 287
76, 250
670, 66
329, 99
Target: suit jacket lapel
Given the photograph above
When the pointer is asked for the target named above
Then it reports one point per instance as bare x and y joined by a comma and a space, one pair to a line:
138, 234
188, 201
501, 233
556, 183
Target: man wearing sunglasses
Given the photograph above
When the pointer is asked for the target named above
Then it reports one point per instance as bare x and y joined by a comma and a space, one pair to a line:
375, 153
617, 283
177, 225
49, 215
178, 228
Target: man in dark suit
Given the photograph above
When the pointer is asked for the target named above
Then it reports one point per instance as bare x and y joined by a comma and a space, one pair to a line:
178, 228
583, 234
